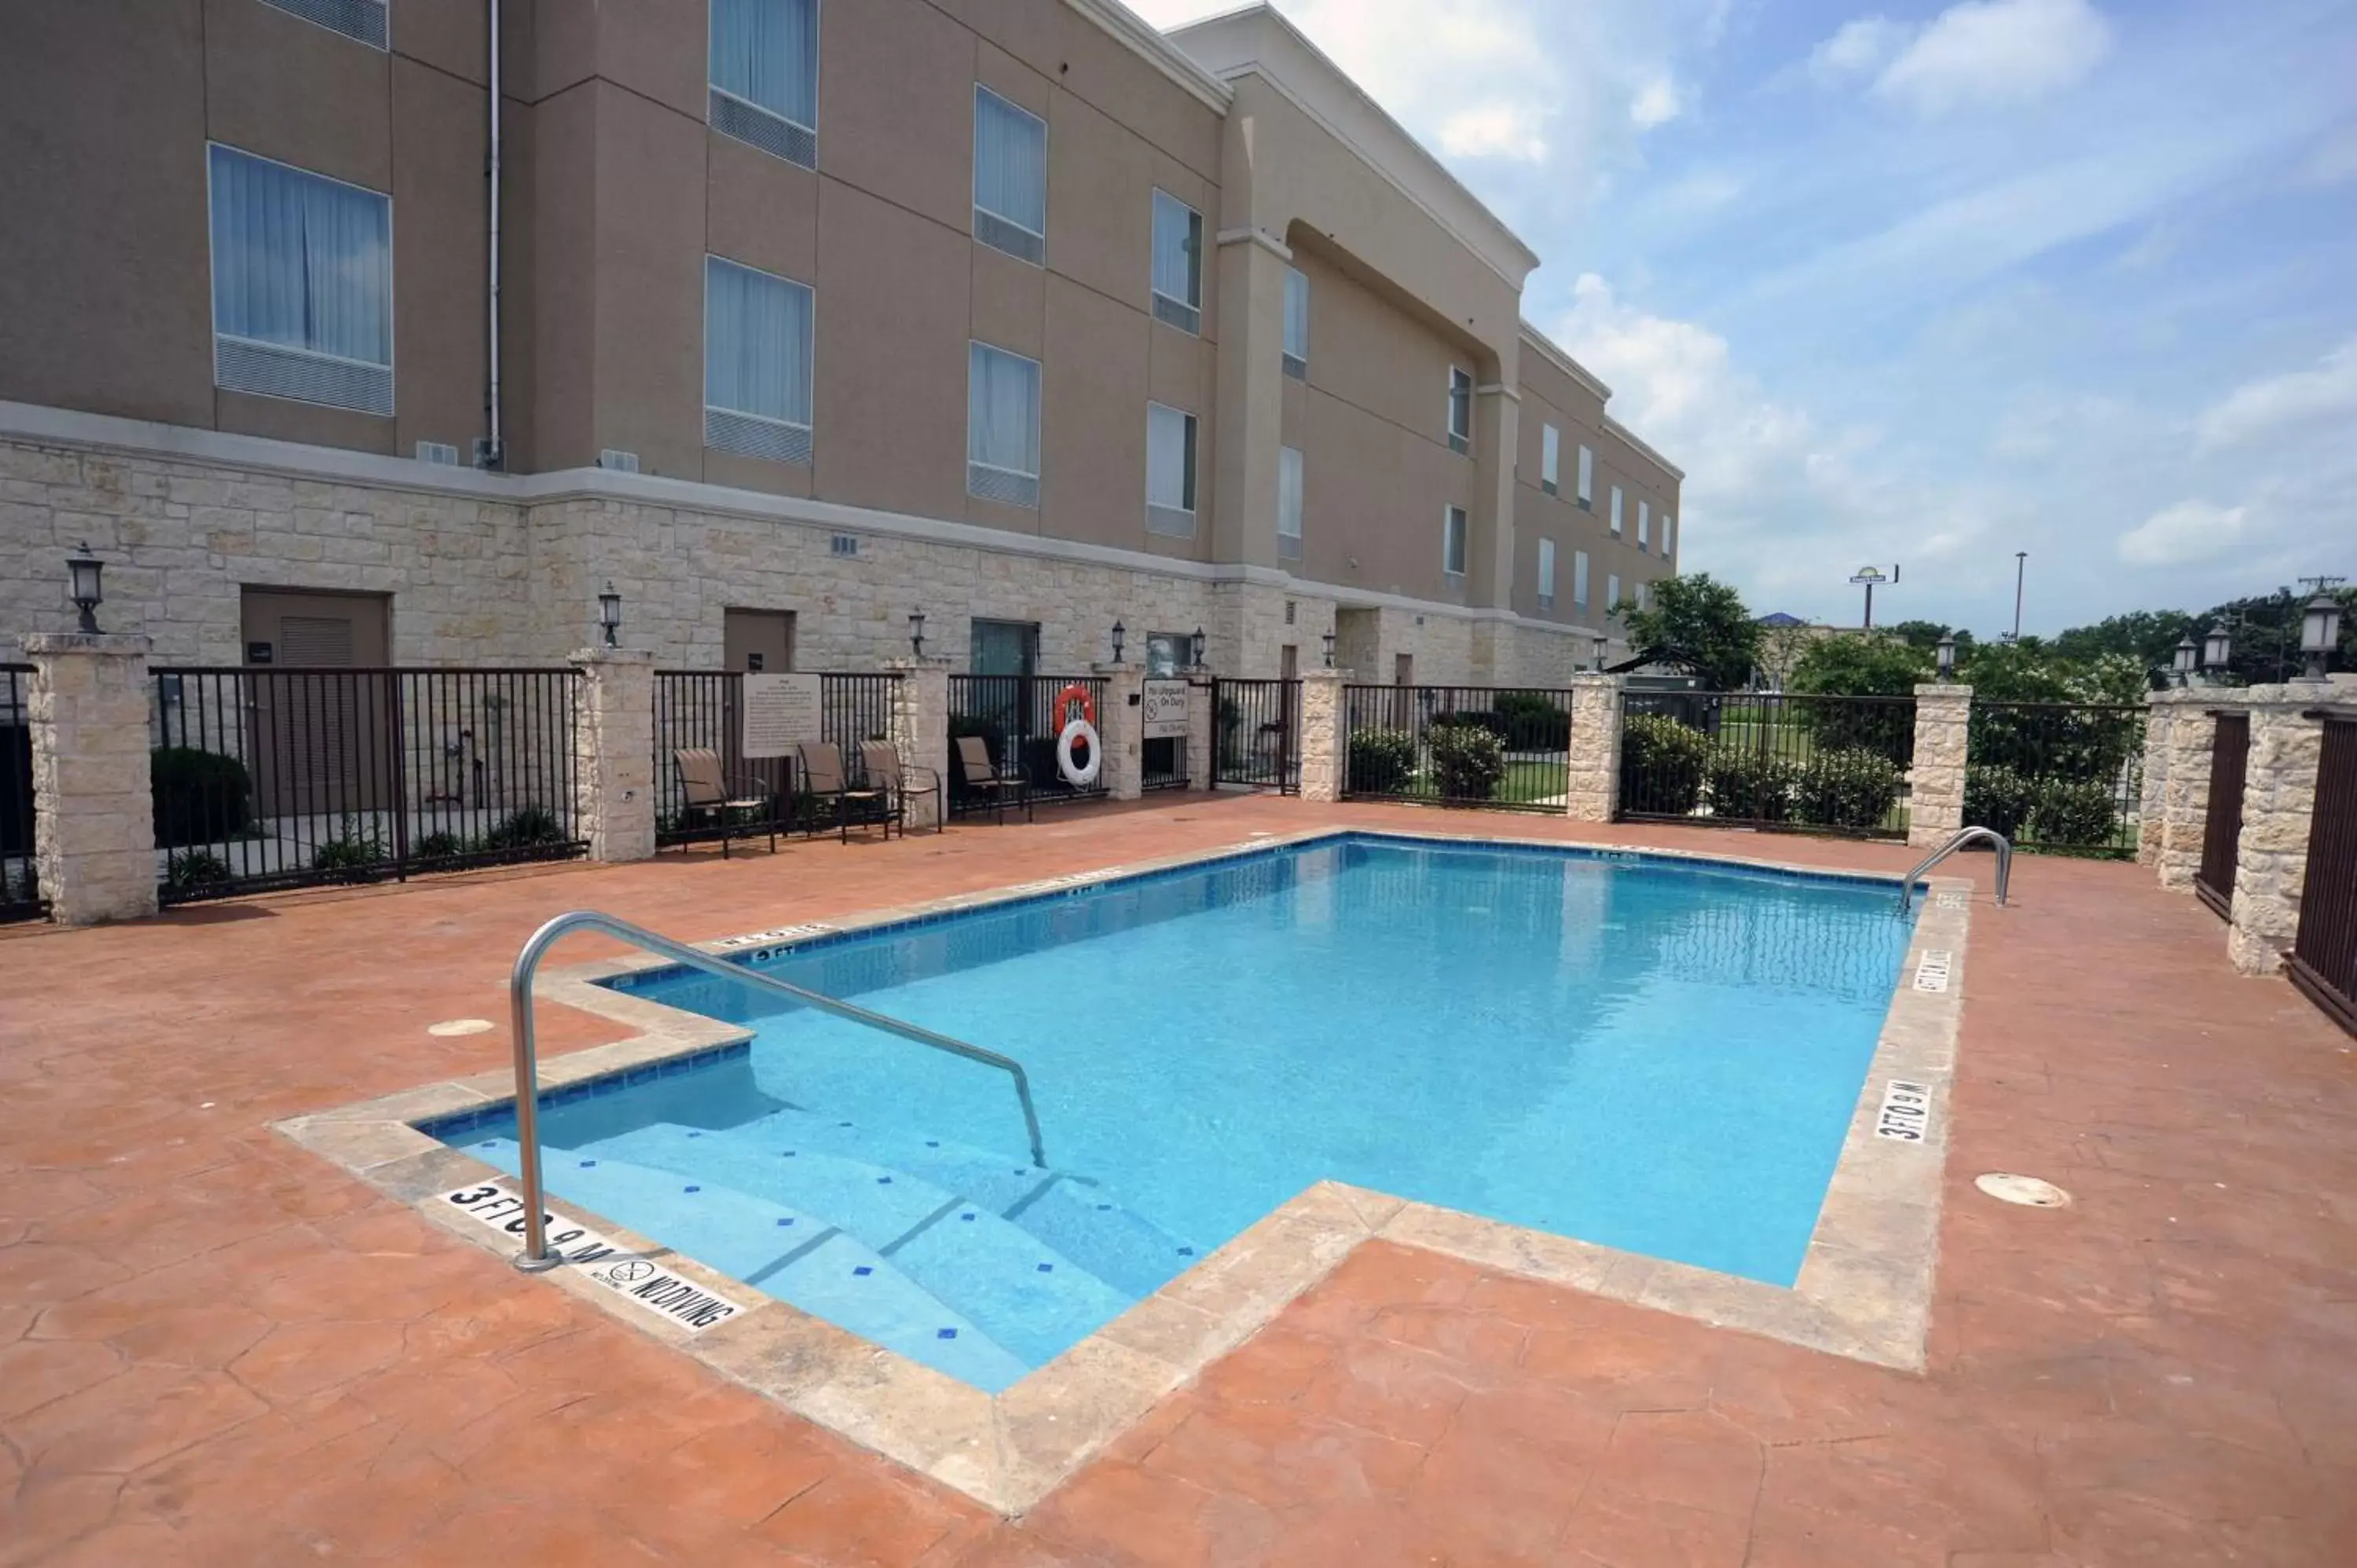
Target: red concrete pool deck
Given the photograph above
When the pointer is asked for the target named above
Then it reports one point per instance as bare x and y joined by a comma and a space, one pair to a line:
216, 1348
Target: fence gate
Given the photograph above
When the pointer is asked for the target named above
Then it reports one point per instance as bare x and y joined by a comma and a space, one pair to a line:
2323, 959
702, 709
1508, 748
1018, 719
1766, 760
1256, 734
20, 895
2221, 833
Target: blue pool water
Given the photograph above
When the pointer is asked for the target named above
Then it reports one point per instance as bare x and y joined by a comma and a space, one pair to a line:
1653, 1056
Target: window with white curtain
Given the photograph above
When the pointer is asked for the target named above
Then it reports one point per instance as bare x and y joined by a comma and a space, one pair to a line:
1547, 574
1586, 477
1288, 503
1616, 511
1001, 426
1550, 459
764, 76
1644, 526
301, 284
1010, 178
1580, 579
1668, 522
1177, 267
757, 363
1169, 471
1461, 410
1452, 541
1611, 593
1297, 324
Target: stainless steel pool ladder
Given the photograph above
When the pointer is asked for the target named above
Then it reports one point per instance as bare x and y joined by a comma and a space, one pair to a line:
1968, 836
536, 1255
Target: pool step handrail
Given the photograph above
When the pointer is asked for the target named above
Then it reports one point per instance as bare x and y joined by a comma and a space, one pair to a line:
1962, 837
536, 1255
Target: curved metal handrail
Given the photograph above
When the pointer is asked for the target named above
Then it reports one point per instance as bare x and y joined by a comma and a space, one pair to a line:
536, 1255
1966, 837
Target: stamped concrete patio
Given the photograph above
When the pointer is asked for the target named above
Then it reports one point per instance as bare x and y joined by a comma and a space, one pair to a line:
216, 1348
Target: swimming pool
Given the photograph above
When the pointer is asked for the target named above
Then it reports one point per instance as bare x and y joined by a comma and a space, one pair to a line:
1654, 1056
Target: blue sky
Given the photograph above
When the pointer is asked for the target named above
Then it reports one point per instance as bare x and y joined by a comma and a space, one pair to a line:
1932, 283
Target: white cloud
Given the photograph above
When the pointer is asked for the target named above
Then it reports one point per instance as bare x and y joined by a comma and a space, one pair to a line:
1657, 103
2275, 404
2189, 531
1997, 52
1495, 130
1858, 49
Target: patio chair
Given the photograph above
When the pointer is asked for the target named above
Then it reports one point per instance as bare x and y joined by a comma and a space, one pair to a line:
980, 777
706, 790
820, 766
880, 760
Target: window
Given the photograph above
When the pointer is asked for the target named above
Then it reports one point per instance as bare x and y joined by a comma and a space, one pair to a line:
757, 363
1666, 524
1177, 275
1644, 526
1001, 426
1010, 178
1461, 410
1452, 542
1579, 580
1587, 479
1169, 471
1550, 459
764, 76
1644, 595
1289, 510
1167, 653
361, 19
1616, 511
1297, 324
1547, 574
1612, 593
302, 284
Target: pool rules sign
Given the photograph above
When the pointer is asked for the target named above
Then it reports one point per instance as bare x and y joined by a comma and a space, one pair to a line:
1162, 710
639, 1280
781, 712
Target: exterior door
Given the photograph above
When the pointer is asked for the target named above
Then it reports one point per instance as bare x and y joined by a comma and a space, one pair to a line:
757, 641
1288, 662
318, 711
1004, 647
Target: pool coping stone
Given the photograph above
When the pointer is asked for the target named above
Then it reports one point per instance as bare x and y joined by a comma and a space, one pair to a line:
1864, 1289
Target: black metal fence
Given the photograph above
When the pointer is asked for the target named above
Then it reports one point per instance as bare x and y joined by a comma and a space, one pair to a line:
702, 709
1508, 748
1762, 759
2323, 959
20, 892
2064, 777
2221, 822
1163, 764
1256, 734
1020, 719
269, 778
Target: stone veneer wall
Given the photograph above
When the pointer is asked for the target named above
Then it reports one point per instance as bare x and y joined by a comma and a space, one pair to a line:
1935, 807
2278, 811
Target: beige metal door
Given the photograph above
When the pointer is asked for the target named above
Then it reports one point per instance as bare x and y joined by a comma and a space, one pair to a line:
1288, 662
321, 739
757, 641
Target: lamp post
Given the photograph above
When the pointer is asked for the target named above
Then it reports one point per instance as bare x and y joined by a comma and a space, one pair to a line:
1947, 657
2319, 634
82, 574
916, 633
1328, 640
609, 615
1119, 632
2217, 649
2020, 568
1195, 648
2182, 669
1599, 644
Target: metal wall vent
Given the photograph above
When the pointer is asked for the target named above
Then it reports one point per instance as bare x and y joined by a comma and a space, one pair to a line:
773, 133
240, 364
361, 19
619, 461
1185, 317
440, 452
844, 544
1002, 485
757, 437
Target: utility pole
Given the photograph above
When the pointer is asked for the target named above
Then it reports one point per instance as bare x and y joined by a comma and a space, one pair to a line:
2020, 568
1868, 577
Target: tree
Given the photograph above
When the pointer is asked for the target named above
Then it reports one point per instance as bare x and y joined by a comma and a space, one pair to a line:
1923, 636
2147, 637
1701, 620
1860, 664
1780, 647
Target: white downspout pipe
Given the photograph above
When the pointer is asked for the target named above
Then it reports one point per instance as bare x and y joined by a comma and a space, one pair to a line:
494, 453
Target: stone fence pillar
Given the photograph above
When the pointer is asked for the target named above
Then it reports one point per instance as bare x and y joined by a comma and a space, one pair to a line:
2278, 811
614, 753
1121, 727
2192, 730
920, 732
1935, 801
1592, 784
93, 800
1201, 762
2152, 798
1323, 756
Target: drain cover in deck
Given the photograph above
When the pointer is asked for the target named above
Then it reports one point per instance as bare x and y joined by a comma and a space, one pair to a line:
2026, 1190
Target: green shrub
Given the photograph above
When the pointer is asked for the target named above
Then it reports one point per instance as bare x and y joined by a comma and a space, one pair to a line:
201, 797
523, 828
1661, 765
354, 854
1470, 718
2074, 814
439, 847
1853, 789
1747, 785
191, 869
1468, 762
1998, 798
1382, 761
1534, 721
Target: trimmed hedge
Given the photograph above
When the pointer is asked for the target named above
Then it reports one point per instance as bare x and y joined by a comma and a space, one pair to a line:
200, 797
1469, 763
1533, 722
1661, 765
2073, 814
1749, 786
1382, 761
1997, 797
1853, 789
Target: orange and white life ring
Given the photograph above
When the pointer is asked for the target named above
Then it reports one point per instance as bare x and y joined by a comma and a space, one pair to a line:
1080, 771
1061, 710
